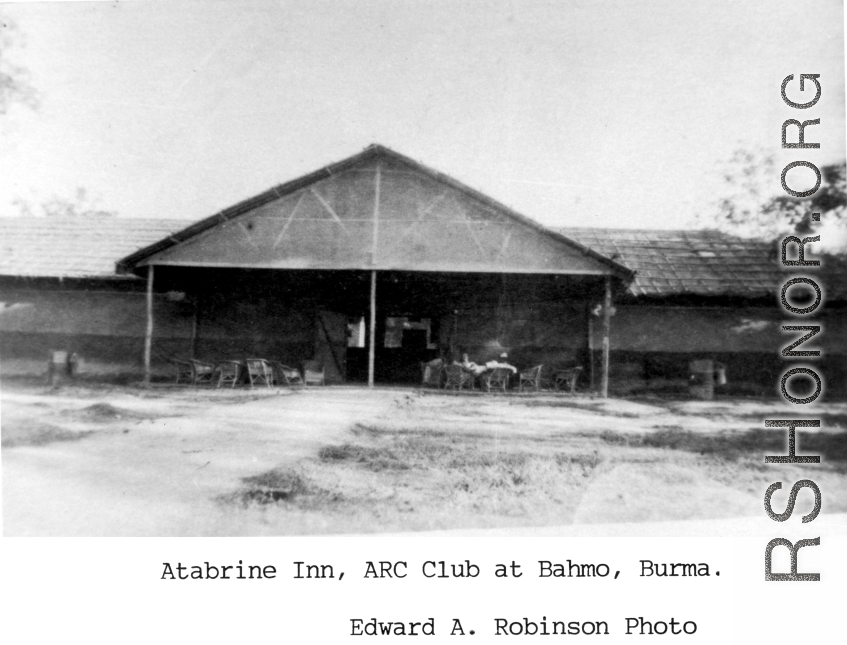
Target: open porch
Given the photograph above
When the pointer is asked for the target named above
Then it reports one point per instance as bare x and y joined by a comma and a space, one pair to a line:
376, 264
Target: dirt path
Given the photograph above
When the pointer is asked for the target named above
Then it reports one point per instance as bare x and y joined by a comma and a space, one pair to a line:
160, 475
96, 462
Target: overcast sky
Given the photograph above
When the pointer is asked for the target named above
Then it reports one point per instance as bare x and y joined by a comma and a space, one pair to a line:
574, 113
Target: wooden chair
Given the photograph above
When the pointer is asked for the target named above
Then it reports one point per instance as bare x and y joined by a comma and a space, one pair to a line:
457, 377
259, 371
193, 372
497, 379
313, 373
531, 379
229, 372
184, 371
285, 375
201, 372
566, 379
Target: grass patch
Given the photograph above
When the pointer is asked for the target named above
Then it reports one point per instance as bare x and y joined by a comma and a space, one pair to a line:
275, 487
554, 403
102, 413
588, 462
829, 420
394, 470
373, 431
734, 446
376, 459
31, 432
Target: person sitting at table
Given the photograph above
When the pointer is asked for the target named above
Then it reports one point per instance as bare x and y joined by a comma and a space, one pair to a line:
477, 370
472, 367
501, 364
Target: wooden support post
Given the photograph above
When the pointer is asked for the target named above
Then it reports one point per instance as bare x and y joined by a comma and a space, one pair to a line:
591, 379
194, 326
607, 323
372, 332
375, 239
374, 252
148, 335
455, 335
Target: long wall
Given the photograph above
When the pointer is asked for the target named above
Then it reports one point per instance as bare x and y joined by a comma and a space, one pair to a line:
104, 325
552, 333
233, 325
652, 345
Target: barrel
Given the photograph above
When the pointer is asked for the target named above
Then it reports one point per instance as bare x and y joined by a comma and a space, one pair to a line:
720, 374
61, 366
701, 380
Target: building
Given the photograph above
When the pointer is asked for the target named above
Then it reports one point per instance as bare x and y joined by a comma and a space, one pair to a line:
59, 290
376, 263
710, 295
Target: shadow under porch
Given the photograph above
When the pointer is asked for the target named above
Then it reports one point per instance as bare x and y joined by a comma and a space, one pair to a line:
296, 315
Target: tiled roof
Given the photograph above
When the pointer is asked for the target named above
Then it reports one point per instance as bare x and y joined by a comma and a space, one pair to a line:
667, 263
703, 263
64, 247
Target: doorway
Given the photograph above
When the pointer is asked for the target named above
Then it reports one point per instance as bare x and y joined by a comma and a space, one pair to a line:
403, 342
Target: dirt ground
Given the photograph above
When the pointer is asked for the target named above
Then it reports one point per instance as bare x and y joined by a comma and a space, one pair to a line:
97, 461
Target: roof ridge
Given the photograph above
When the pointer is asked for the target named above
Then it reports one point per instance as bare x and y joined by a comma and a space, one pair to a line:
243, 207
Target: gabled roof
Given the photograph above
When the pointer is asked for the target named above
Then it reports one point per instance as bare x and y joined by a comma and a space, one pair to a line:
375, 210
702, 262
74, 247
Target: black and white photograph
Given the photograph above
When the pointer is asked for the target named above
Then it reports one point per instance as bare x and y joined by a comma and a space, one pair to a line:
427, 269
289, 268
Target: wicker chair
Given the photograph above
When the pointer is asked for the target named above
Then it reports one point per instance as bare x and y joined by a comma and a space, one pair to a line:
184, 371
285, 375
259, 371
193, 372
229, 372
496, 379
566, 379
203, 372
531, 379
457, 377
313, 373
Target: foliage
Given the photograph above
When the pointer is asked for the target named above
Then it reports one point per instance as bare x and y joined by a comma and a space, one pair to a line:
753, 203
830, 201
14, 79
80, 205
